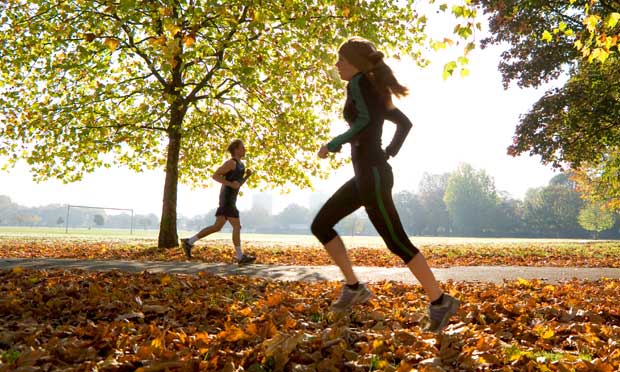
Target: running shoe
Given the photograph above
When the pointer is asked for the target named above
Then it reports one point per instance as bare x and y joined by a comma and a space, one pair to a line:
349, 297
187, 248
440, 314
246, 259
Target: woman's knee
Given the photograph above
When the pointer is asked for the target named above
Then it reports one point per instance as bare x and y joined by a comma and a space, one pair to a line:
324, 232
316, 227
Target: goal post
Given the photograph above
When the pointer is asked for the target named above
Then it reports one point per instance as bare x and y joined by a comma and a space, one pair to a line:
69, 206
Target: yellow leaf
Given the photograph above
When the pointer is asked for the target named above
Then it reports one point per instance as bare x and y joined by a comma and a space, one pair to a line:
166, 12
591, 22
377, 344
157, 343
382, 364
112, 44
346, 12
166, 280
578, 45
18, 270
612, 19
546, 36
524, 283
547, 334
172, 28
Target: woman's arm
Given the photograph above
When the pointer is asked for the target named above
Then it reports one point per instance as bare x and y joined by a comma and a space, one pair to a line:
403, 126
362, 120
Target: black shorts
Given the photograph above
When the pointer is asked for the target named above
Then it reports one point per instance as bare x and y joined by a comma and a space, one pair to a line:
227, 211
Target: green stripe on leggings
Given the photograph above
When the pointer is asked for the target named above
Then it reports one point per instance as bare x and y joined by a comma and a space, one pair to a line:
386, 217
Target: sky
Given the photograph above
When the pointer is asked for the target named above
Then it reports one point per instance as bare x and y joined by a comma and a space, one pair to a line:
459, 120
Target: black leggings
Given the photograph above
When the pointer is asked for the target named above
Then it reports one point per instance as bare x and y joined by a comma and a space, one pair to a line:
372, 188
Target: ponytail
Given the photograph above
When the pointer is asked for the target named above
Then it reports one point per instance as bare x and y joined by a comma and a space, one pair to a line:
383, 77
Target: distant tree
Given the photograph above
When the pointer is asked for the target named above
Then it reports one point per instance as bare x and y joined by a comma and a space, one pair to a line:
99, 220
28, 219
434, 216
359, 226
552, 211
257, 219
411, 211
563, 179
60, 220
596, 218
471, 198
293, 214
145, 222
5, 201
355, 224
508, 216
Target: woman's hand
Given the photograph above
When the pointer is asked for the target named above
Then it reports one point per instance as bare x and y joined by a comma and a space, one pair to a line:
323, 152
248, 173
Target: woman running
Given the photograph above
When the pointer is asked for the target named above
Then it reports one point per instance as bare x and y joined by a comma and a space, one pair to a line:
371, 84
232, 174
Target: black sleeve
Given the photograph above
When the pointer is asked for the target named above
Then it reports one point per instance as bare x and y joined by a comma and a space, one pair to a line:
403, 126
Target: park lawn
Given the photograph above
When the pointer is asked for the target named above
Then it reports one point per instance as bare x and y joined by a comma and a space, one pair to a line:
287, 251
77, 321
140, 235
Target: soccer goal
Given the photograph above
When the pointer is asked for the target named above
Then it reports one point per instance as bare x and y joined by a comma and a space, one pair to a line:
89, 217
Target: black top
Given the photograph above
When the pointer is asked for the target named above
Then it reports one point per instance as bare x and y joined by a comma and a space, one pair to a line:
228, 195
365, 111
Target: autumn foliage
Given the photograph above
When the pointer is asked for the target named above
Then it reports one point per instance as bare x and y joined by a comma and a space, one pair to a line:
77, 321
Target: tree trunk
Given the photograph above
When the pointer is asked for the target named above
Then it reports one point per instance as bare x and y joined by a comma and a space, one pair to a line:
168, 237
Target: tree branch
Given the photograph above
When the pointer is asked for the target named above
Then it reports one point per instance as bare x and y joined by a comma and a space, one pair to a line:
220, 59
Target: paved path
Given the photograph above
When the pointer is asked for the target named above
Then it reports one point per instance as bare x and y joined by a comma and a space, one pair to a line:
494, 274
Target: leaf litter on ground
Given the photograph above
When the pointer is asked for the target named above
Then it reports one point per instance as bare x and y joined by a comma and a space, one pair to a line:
592, 254
77, 320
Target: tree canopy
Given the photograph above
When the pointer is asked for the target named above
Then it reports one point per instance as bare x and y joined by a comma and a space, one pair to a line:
574, 126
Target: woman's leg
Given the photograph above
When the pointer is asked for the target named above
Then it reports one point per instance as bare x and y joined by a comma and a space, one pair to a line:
384, 216
344, 202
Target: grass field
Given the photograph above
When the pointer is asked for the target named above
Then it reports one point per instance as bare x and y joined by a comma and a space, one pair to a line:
145, 236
